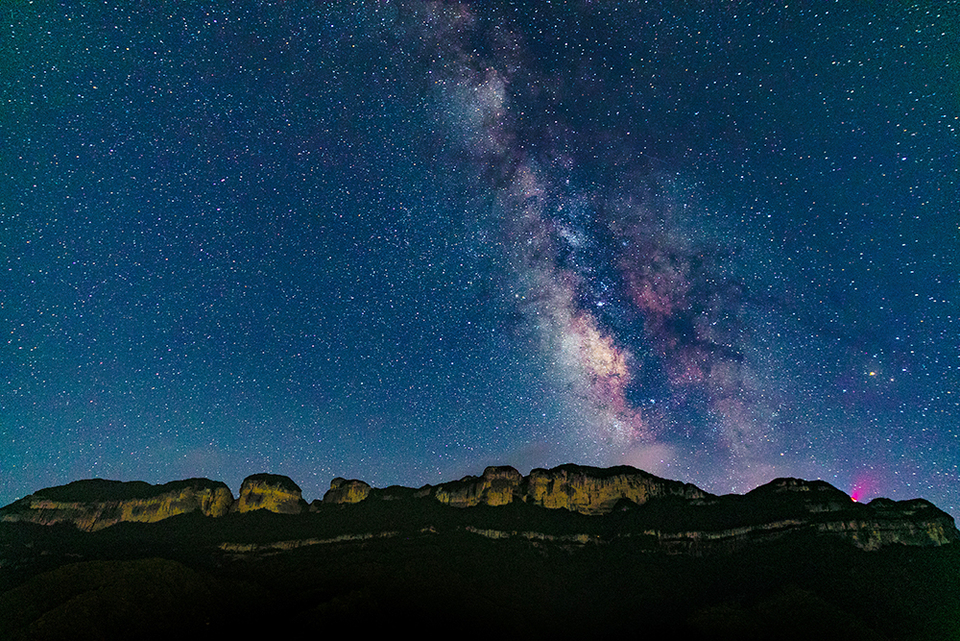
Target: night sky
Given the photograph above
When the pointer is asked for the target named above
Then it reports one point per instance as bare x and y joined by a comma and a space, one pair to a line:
401, 241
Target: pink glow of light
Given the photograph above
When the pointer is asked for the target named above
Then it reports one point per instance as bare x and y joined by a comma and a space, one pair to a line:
863, 484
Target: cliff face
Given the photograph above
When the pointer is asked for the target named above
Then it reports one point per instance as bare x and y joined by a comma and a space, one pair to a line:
269, 492
95, 504
591, 490
678, 517
577, 488
789, 506
915, 522
498, 486
584, 505
344, 491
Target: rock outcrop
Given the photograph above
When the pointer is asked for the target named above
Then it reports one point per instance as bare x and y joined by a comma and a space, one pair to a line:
346, 491
915, 522
569, 504
813, 496
269, 492
95, 503
788, 507
499, 485
593, 490
679, 517
577, 488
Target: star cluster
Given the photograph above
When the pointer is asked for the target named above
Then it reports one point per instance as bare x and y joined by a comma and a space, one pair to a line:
400, 241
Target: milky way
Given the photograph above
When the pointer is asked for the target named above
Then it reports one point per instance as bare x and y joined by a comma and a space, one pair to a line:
622, 279
401, 241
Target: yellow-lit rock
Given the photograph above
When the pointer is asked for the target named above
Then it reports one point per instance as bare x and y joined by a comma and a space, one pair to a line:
497, 486
591, 490
696, 524
587, 490
95, 504
269, 492
344, 491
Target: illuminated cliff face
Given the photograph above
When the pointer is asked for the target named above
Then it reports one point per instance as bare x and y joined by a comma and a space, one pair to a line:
94, 504
269, 492
344, 491
498, 486
79, 504
593, 491
576, 488
687, 521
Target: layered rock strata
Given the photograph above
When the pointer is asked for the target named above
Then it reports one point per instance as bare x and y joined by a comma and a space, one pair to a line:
346, 491
498, 485
577, 488
270, 492
94, 504
591, 490
604, 505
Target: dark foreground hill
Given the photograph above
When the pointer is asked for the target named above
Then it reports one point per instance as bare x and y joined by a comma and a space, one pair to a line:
624, 554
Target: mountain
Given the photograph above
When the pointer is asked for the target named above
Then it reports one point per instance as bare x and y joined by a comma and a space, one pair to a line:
572, 550
95, 503
678, 517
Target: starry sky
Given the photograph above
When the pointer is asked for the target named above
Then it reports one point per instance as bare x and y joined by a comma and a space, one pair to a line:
400, 241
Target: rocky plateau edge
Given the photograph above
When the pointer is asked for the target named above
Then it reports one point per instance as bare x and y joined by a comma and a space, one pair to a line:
678, 516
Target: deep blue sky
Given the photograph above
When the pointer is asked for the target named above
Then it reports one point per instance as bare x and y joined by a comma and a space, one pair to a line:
400, 241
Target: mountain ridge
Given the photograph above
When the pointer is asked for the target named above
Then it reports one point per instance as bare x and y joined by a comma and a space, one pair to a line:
567, 552
676, 517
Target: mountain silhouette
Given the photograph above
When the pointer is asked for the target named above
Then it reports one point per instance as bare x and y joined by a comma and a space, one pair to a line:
572, 551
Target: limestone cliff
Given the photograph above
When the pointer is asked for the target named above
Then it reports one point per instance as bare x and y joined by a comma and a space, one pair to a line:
583, 504
577, 488
914, 522
344, 491
679, 517
593, 490
95, 503
499, 485
788, 506
269, 492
